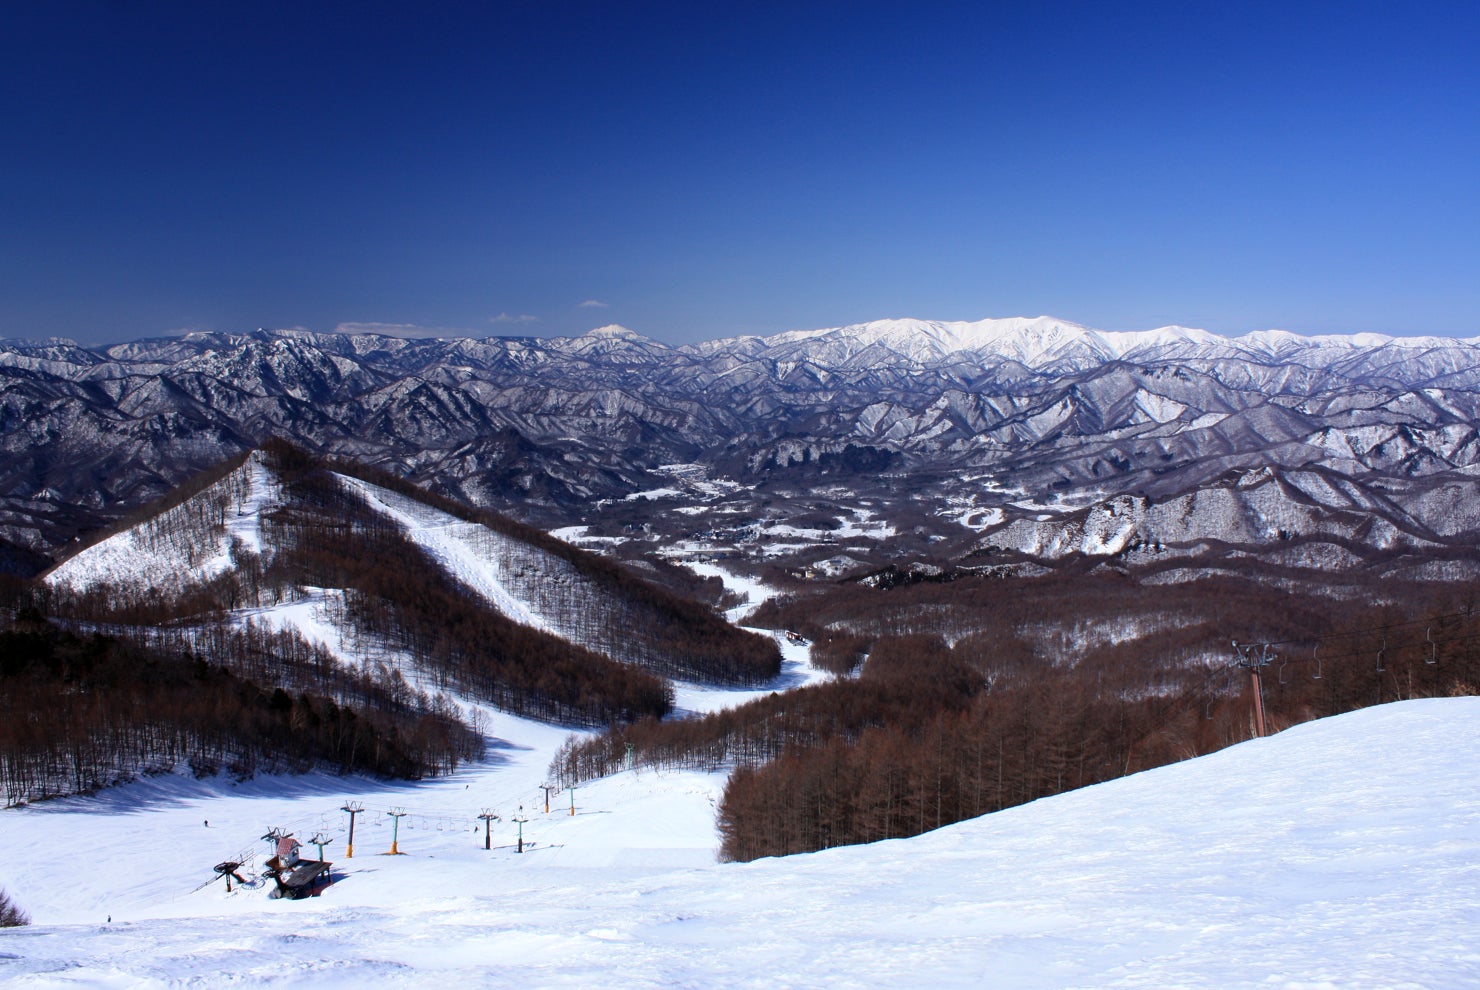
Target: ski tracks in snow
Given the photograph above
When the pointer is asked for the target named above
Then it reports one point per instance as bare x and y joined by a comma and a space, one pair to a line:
448, 539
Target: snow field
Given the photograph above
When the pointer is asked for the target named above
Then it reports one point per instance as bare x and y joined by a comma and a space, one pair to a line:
1341, 853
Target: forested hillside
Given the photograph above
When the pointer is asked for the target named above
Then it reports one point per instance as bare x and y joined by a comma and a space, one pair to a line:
78, 713
426, 599
956, 712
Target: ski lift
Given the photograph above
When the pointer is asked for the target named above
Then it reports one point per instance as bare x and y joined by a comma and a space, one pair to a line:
1282, 671
1380, 654
1433, 656
1315, 655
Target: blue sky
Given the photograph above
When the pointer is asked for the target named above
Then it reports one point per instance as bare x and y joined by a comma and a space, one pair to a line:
695, 171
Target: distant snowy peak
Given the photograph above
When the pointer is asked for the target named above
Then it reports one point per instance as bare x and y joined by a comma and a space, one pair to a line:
1031, 341
611, 342
1038, 342
1045, 342
614, 331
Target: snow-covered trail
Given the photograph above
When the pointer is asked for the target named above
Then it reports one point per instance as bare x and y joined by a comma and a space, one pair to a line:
752, 592
691, 698
796, 658
451, 542
1342, 853
263, 492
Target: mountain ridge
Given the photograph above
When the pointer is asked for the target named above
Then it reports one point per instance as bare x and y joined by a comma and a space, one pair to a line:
260, 534
952, 335
925, 422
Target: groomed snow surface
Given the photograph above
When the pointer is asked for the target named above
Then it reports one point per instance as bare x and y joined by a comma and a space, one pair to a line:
1341, 853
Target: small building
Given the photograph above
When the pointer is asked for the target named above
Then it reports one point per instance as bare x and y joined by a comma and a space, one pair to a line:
288, 850
293, 875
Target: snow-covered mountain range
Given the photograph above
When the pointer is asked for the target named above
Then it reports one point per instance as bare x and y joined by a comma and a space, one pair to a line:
1012, 438
1334, 853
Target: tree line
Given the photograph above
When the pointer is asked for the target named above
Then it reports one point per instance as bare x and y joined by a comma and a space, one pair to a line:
633, 620
82, 712
931, 732
325, 537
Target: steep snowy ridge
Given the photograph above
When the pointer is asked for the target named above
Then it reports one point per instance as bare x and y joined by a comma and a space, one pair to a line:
189, 543
1337, 853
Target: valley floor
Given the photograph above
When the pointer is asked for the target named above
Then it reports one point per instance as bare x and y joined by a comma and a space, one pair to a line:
1340, 853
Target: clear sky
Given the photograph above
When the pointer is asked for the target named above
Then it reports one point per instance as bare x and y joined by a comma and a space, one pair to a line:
695, 170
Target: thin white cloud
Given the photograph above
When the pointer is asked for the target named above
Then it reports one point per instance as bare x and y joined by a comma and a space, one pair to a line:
510, 318
592, 304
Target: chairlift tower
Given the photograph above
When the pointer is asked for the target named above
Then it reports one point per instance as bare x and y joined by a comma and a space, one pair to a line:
321, 840
353, 808
1254, 662
396, 815
520, 819
487, 817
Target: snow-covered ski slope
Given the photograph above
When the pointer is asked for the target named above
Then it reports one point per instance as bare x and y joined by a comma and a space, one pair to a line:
191, 542
188, 543
474, 554
1341, 853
